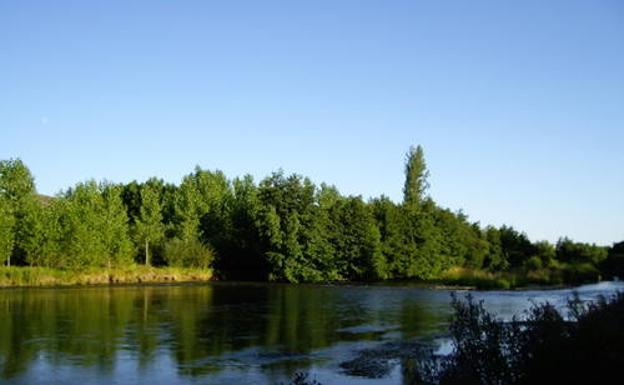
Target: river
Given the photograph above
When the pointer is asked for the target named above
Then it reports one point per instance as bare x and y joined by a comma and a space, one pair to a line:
225, 333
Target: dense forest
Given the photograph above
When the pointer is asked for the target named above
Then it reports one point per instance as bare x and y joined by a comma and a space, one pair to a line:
284, 228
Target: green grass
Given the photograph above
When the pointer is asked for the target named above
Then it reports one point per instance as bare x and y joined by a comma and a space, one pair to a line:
557, 275
474, 278
41, 276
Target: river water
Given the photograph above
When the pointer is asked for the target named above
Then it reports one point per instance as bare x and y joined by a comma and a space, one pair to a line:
226, 333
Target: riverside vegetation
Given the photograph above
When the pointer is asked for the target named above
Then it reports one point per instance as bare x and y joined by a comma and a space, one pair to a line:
284, 228
546, 346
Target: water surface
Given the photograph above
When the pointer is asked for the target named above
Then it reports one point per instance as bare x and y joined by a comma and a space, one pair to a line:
224, 333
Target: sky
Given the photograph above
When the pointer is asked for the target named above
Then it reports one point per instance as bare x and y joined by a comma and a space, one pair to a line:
519, 105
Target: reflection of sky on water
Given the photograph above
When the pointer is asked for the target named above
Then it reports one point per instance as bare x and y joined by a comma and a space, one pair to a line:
225, 333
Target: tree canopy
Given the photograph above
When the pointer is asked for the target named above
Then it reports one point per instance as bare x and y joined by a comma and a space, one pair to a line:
284, 228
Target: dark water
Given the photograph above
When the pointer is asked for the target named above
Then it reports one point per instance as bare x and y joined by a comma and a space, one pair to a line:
222, 333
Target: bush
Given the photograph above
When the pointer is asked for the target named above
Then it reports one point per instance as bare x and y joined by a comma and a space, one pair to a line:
580, 273
544, 348
188, 253
533, 263
301, 378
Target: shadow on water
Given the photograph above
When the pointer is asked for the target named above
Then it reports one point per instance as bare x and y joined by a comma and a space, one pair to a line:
215, 333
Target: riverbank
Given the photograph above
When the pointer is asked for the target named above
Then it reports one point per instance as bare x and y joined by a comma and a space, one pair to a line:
563, 275
458, 277
40, 276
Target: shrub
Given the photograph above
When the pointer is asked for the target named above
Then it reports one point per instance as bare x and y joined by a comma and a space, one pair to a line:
188, 253
543, 348
533, 263
302, 378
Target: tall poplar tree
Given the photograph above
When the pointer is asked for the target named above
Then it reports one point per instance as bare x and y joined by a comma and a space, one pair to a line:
416, 175
423, 237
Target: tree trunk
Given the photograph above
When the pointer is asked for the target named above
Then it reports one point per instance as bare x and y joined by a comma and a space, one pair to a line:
147, 261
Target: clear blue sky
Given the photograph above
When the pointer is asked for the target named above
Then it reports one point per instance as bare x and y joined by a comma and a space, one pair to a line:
518, 104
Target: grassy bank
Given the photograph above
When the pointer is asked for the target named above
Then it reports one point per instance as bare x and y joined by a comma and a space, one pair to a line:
456, 277
554, 276
40, 276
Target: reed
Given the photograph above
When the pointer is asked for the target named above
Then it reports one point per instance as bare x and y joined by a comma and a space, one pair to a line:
40, 276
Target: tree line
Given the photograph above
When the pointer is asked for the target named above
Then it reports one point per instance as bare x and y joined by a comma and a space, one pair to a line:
284, 228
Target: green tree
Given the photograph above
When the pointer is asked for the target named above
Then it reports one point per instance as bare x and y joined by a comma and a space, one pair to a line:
17, 186
131, 197
495, 259
391, 224
416, 175
188, 209
576, 252
546, 253
462, 243
115, 232
613, 266
201, 204
238, 247
357, 241
7, 228
91, 227
149, 228
47, 248
423, 237
37, 225
516, 246
290, 230
81, 221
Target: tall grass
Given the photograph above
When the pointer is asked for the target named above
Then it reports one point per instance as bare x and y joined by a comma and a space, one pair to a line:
556, 275
41, 276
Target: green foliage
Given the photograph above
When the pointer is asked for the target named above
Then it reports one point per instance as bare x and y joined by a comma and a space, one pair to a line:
516, 246
423, 258
613, 266
188, 253
85, 227
495, 258
542, 348
203, 193
148, 228
533, 263
462, 243
237, 240
390, 221
415, 177
285, 228
575, 252
356, 239
17, 187
7, 230
288, 228
114, 231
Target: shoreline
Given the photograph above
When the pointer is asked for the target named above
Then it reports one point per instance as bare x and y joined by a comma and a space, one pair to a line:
41, 277
38, 277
